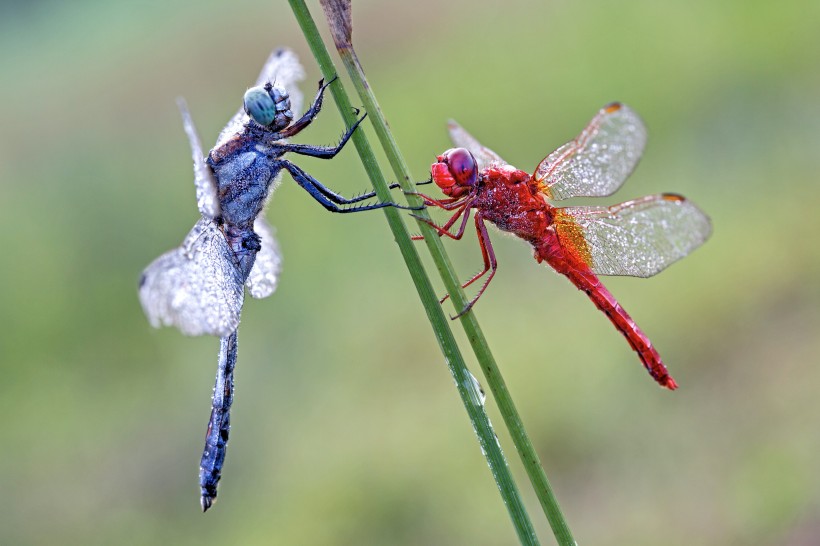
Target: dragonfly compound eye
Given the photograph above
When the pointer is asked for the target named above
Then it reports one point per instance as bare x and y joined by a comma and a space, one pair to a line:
260, 106
269, 106
462, 166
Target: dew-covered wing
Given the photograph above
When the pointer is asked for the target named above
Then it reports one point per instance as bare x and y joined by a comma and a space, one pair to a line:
265, 271
599, 160
206, 193
462, 139
195, 287
638, 238
282, 68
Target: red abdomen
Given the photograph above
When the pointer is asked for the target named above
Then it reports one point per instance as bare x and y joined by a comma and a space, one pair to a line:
550, 251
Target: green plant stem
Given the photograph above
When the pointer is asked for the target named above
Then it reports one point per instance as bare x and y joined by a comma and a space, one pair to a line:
479, 344
468, 388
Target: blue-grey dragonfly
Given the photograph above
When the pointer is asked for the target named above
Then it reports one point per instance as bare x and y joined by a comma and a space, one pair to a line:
199, 287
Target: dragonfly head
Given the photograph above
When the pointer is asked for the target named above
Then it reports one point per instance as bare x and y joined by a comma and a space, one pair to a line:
455, 172
269, 106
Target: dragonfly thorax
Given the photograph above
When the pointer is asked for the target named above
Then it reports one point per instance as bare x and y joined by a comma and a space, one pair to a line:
244, 178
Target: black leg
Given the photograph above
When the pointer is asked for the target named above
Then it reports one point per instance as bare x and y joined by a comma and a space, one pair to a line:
311, 113
328, 152
326, 197
336, 198
322, 152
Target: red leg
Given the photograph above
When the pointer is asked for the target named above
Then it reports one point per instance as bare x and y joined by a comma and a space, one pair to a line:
446, 204
445, 229
490, 263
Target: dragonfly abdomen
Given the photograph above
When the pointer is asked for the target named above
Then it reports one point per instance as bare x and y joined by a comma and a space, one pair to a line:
605, 301
219, 425
245, 244
585, 280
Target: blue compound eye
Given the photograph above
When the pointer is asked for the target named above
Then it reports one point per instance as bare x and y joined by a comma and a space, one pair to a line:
260, 106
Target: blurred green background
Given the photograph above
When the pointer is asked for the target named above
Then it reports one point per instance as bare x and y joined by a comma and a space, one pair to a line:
346, 426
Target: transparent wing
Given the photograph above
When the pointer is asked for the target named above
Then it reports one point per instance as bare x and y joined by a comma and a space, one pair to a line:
462, 139
265, 271
283, 68
599, 160
195, 287
638, 238
206, 193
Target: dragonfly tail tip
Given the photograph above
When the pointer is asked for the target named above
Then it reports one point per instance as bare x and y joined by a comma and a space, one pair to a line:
206, 501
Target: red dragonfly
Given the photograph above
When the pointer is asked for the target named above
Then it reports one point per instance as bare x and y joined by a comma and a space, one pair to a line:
638, 238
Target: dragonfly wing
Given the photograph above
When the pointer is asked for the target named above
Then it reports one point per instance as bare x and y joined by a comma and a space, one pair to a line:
599, 160
282, 68
268, 265
638, 238
206, 193
195, 287
462, 139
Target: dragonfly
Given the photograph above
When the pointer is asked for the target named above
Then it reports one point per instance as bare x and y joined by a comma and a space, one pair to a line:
638, 238
199, 287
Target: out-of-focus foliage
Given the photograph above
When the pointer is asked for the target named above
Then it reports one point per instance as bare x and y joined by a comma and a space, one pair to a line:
346, 425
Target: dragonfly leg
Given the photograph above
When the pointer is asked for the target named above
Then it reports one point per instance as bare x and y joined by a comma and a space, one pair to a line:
396, 185
322, 152
328, 152
362, 196
328, 198
490, 263
445, 229
219, 424
312, 112
446, 204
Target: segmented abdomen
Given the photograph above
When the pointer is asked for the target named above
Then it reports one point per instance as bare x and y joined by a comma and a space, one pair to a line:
585, 280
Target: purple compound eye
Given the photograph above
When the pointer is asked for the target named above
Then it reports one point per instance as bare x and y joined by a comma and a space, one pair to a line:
462, 166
